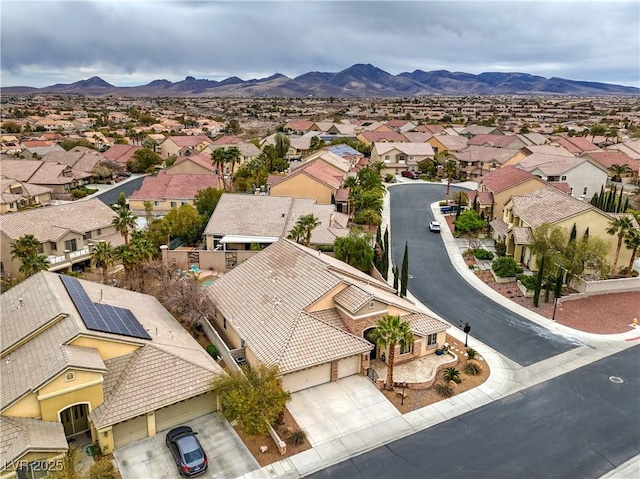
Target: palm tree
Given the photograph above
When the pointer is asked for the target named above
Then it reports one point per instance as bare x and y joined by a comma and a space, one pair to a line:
124, 222
619, 170
34, 263
296, 233
619, 226
632, 241
232, 156
24, 246
350, 182
450, 169
218, 159
391, 331
103, 256
308, 223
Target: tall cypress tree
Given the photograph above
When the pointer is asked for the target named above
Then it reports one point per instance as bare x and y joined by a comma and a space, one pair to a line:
378, 250
538, 286
586, 234
404, 275
385, 254
595, 199
574, 232
395, 278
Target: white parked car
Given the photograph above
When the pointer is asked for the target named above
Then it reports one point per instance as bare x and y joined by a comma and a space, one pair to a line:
434, 227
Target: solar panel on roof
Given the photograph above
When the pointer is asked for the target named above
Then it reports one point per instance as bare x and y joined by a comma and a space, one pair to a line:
103, 317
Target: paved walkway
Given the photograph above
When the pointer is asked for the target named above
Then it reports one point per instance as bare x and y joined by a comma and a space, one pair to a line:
506, 379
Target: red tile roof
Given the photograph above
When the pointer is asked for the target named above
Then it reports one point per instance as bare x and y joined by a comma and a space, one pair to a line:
165, 186
610, 158
564, 187
393, 136
318, 171
227, 140
576, 144
433, 129
121, 153
504, 178
202, 159
191, 141
300, 125
37, 143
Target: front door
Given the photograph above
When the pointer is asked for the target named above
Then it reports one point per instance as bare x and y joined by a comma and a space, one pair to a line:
75, 419
367, 333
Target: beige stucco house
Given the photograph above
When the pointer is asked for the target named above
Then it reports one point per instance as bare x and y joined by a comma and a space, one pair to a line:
312, 179
183, 145
65, 376
311, 315
398, 157
16, 195
66, 233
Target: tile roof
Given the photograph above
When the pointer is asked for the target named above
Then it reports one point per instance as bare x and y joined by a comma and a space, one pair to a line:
121, 153
380, 136
551, 165
505, 178
452, 143
576, 144
266, 297
547, 150
521, 234
609, 158
498, 141
499, 226
299, 125
547, 205
189, 140
330, 316
341, 163
423, 324
485, 154
413, 149
19, 435
352, 298
432, 129
148, 379
417, 136
201, 159
318, 171
227, 140
53, 222
166, 186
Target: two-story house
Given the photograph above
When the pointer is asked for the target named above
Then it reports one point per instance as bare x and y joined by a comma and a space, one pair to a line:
16, 195
397, 157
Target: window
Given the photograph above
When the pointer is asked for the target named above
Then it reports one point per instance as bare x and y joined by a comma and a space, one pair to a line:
372, 305
584, 191
432, 339
406, 348
99, 232
184, 202
564, 178
54, 246
224, 323
70, 376
387, 159
40, 248
156, 203
70, 245
87, 235
174, 204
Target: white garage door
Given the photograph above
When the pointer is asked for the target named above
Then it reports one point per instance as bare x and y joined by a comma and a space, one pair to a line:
307, 378
129, 431
349, 366
185, 411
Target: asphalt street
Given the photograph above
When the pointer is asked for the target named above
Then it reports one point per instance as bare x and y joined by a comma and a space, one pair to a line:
110, 197
579, 425
436, 283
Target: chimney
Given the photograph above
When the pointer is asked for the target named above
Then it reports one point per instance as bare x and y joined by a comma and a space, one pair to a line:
20, 302
332, 220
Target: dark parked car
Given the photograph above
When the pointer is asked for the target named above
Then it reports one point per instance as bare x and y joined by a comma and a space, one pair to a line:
414, 175
187, 451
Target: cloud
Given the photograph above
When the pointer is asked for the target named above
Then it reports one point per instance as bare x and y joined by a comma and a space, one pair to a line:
133, 42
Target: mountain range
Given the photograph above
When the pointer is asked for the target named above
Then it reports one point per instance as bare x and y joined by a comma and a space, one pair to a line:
357, 81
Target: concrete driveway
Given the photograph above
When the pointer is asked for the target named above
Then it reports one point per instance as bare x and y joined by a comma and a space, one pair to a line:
150, 458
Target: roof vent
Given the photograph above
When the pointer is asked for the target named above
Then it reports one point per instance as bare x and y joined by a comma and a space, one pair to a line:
283, 215
8, 359
20, 302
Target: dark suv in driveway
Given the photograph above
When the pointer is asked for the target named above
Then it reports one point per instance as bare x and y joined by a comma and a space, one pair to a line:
186, 451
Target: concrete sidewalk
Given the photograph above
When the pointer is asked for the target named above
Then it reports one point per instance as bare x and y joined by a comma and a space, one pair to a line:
506, 378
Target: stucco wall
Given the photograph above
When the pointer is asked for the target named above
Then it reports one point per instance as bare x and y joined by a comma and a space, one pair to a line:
303, 186
620, 285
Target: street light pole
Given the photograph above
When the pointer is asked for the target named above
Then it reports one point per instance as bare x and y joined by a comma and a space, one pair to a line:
466, 330
555, 305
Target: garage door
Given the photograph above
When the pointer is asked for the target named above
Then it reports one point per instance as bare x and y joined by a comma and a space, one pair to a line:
129, 431
308, 378
185, 411
349, 366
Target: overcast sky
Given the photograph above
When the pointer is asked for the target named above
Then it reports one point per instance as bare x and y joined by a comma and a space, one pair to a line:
134, 42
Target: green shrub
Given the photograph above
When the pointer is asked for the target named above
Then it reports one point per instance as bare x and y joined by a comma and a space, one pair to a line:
501, 248
212, 350
443, 390
473, 368
389, 178
102, 469
481, 253
78, 193
529, 282
505, 266
469, 221
451, 374
296, 437
471, 353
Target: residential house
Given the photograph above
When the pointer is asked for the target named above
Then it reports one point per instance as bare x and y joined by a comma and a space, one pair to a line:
199, 164
470, 131
417, 136
312, 179
60, 178
630, 148
38, 148
607, 159
86, 360
378, 136
242, 220
120, 154
448, 143
312, 315
341, 162
584, 176
524, 213
533, 138
546, 150
16, 195
65, 232
398, 157
248, 151
298, 127
512, 142
298, 147
496, 187
168, 190
401, 126
431, 129
183, 145
475, 161
575, 144
79, 158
